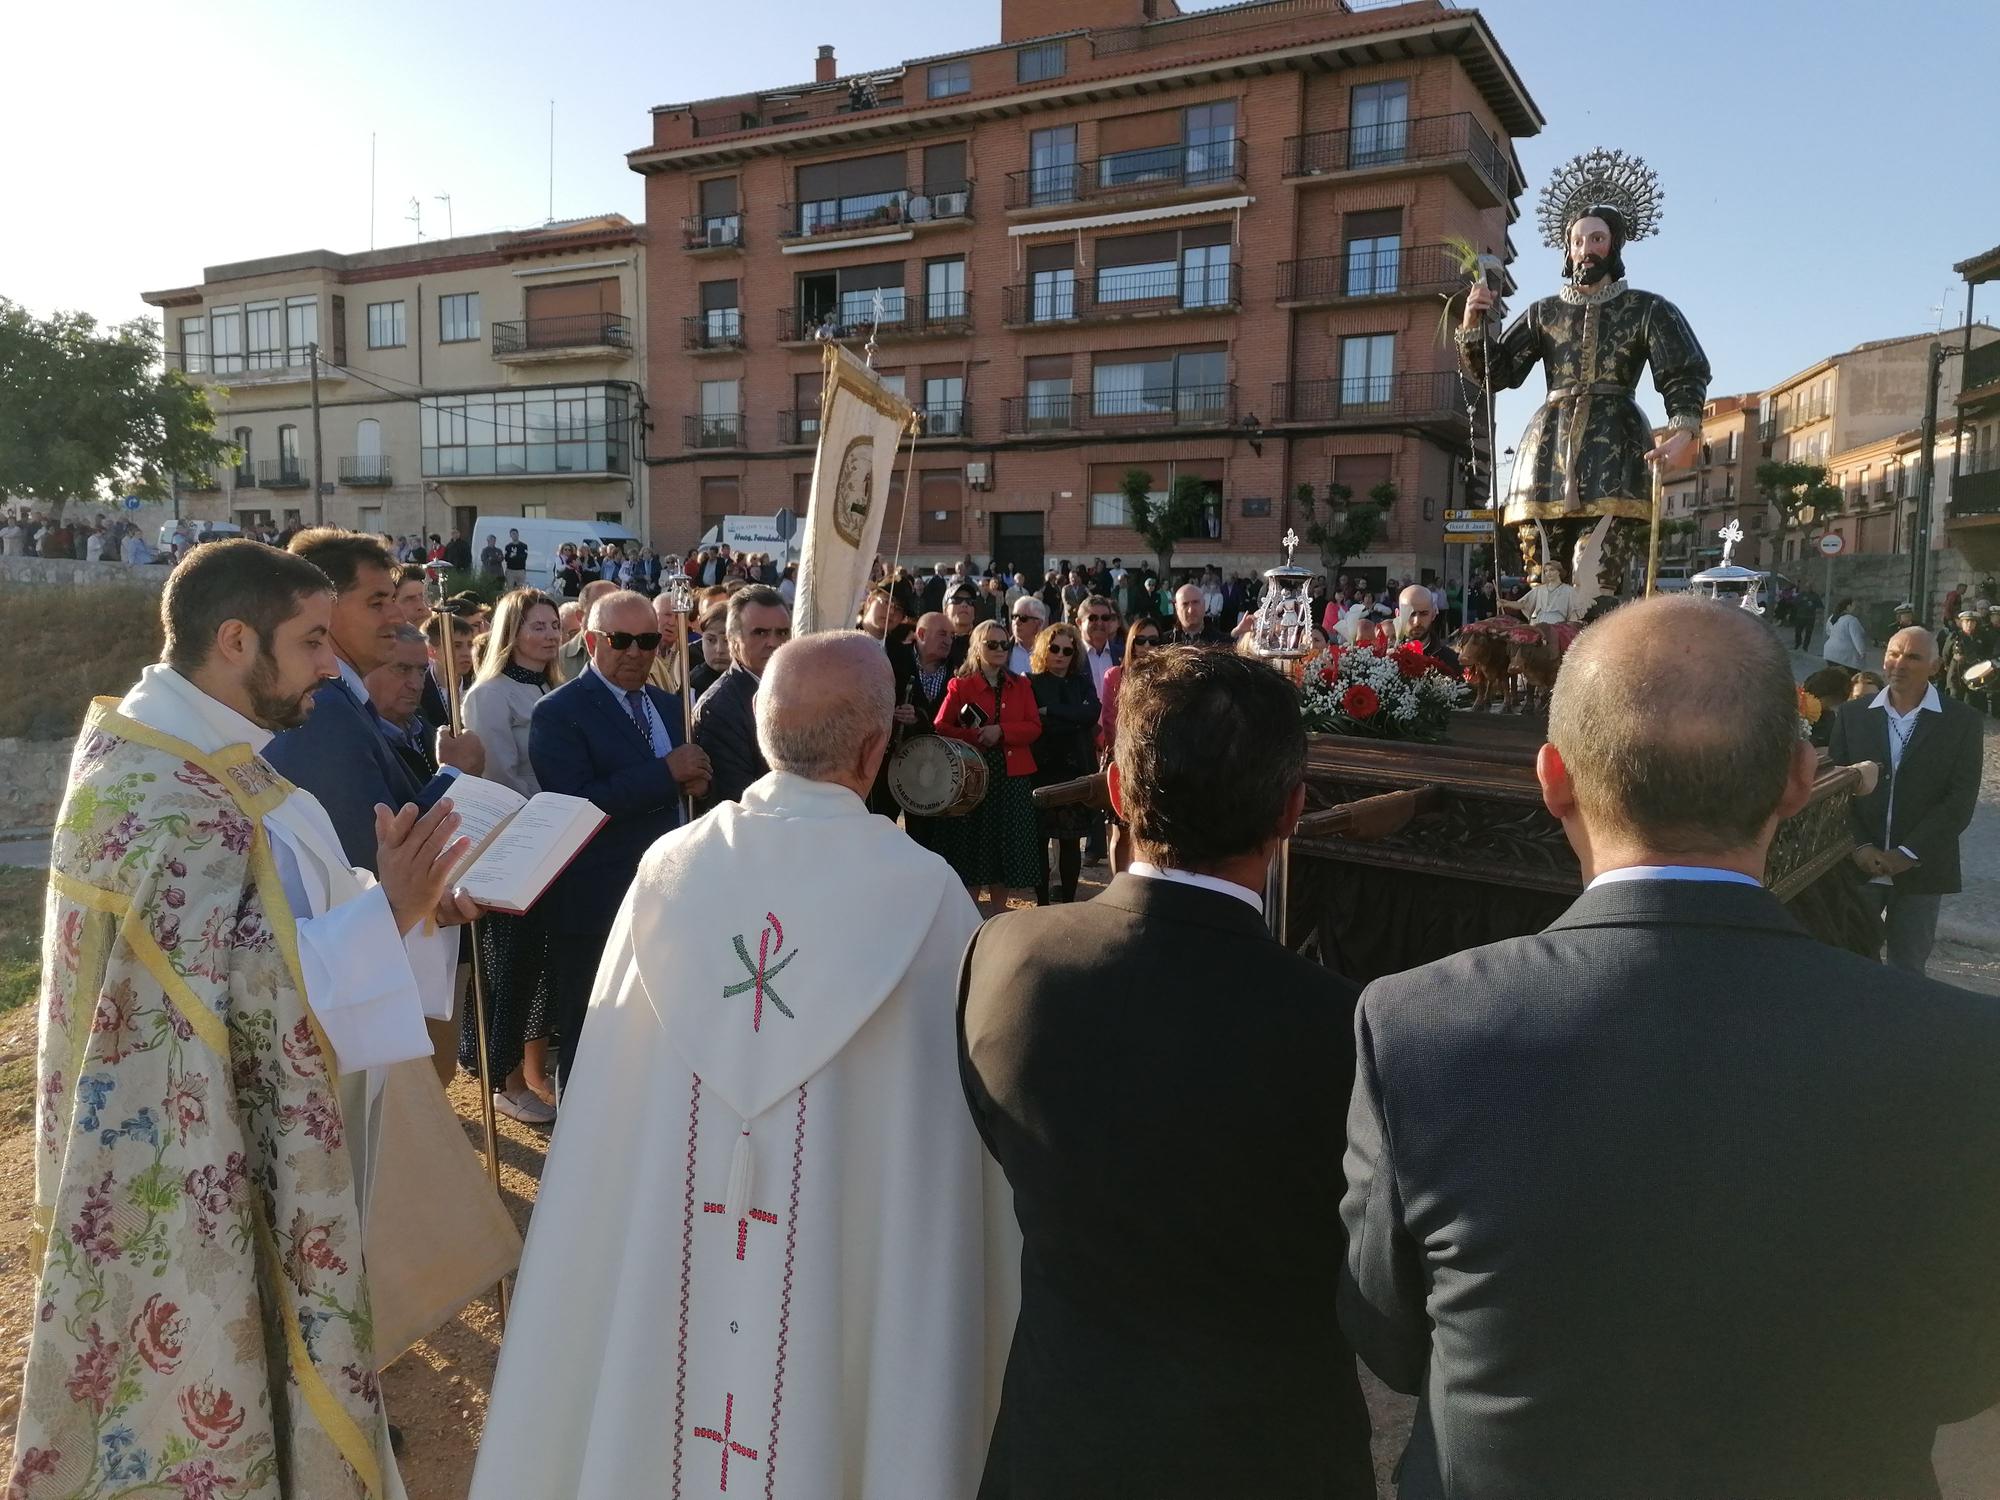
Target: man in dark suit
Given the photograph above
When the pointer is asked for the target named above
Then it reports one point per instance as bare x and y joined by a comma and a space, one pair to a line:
1930, 750
725, 720
1158, 1079
1671, 1200
609, 737
1192, 626
339, 754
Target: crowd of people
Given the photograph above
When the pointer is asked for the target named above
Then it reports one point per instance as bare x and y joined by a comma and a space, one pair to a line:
98, 538
831, 1150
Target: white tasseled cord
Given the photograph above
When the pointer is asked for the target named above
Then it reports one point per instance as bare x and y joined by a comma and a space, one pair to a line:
742, 1172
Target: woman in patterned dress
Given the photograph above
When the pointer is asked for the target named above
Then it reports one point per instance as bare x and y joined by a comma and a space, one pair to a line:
996, 846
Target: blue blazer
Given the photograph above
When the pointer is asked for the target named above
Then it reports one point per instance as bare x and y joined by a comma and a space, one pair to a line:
583, 743
340, 756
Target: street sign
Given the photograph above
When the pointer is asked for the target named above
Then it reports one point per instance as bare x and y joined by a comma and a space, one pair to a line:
132, 502
1832, 545
1468, 528
1487, 516
1468, 538
784, 523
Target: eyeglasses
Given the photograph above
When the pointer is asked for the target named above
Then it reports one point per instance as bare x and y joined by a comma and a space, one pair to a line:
1102, 619
1144, 640
1062, 651
996, 646
624, 640
1025, 619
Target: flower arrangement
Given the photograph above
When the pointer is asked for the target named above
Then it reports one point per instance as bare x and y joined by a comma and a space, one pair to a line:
1379, 691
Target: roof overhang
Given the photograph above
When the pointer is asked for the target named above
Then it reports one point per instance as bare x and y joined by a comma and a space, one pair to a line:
1461, 34
1130, 216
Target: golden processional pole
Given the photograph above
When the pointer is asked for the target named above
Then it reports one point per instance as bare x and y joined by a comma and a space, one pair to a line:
1653, 536
679, 594
434, 589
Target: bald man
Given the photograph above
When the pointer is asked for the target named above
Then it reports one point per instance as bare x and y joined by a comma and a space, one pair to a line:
1671, 1199
1417, 620
1192, 626
765, 1213
1931, 749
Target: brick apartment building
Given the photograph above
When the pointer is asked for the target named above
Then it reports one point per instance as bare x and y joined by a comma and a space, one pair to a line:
1720, 488
1118, 238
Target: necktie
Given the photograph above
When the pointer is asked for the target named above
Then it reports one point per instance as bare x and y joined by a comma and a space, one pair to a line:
635, 705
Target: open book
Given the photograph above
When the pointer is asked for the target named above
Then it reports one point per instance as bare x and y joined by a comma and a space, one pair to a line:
519, 844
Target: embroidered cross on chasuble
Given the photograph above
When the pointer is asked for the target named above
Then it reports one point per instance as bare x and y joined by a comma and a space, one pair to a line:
799, 1209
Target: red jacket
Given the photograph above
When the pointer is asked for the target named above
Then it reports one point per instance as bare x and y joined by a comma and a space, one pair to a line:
1019, 719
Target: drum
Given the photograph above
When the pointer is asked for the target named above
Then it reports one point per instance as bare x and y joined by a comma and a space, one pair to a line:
934, 777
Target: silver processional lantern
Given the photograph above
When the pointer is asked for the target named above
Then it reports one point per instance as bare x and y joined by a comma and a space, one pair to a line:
1727, 583
1284, 630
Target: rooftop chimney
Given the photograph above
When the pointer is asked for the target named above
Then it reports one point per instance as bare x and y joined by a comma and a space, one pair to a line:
824, 70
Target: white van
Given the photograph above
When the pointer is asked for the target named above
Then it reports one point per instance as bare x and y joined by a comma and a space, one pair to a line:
543, 537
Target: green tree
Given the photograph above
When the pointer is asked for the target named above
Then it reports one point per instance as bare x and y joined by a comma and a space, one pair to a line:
1162, 525
1341, 529
1800, 495
86, 412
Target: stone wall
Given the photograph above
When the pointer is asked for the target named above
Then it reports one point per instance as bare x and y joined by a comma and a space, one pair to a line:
1879, 581
62, 573
32, 773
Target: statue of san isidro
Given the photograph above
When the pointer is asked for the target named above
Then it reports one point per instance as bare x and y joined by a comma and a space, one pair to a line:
1581, 489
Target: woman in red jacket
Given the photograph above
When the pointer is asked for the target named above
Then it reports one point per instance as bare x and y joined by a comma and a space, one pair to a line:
996, 845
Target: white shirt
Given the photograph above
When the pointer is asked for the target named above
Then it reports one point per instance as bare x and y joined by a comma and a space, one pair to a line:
93, 547
656, 732
1022, 661
1901, 727
135, 551
1101, 662
1147, 871
1692, 874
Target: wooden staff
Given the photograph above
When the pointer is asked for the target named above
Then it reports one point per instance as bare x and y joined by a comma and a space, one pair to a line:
449, 644
1653, 541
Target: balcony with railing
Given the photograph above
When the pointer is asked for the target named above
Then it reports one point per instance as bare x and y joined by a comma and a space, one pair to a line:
1114, 295
1369, 275
934, 206
1168, 409
365, 471
898, 315
950, 420
1158, 172
282, 474
713, 430
577, 336
1976, 497
712, 232
1457, 144
1982, 367
715, 331
201, 482
799, 428
1422, 396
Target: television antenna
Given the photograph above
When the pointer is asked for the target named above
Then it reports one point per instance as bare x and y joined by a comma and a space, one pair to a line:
416, 216
449, 231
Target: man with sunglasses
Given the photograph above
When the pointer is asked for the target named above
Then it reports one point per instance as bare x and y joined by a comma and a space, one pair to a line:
725, 720
609, 736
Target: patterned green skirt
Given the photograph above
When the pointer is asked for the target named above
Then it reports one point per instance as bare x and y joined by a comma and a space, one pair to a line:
998, 841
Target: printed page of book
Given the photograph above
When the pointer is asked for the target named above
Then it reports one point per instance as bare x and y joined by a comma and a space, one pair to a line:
483, 808
534, 847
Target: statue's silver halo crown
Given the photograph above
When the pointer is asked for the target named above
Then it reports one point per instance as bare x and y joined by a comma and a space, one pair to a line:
1608, 178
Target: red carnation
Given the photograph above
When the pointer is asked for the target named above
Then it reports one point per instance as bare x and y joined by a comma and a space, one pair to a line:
1411, 662
1329, 675
1360, 702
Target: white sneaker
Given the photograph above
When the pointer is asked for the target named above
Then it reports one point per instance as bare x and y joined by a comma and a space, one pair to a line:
523, 1106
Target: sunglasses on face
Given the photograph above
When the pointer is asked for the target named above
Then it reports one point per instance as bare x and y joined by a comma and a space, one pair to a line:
996, 646
1144, 640
1062, 650
1102, 619
624, 640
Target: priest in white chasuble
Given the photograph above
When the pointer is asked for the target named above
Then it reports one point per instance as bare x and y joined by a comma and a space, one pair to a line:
219, 988
769, 1256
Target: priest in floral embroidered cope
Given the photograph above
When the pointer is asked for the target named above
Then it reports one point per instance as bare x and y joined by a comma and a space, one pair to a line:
219, 988
768, 1256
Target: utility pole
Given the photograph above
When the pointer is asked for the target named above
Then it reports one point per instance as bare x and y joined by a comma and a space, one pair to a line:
1926, 480
319, 464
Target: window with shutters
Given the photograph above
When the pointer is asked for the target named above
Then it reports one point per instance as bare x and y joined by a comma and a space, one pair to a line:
721, 222
1046, 60
1373, 243
301, 329
1367, 369
944, 176
721, 314
1188, 268
1052, 169
943, 80
944, 290
850, 298
944, 405
941, 496
1049, 390
1363, 473
719, 498
1134, 149
844, 194
1378, 123
1052, 282
194, 345
1190, 385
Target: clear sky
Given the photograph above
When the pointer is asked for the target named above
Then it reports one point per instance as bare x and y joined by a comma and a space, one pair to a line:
1825, 163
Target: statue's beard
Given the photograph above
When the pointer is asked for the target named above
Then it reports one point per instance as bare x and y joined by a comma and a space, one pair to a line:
1591, 270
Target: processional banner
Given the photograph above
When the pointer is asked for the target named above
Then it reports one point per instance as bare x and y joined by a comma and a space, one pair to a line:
860, 423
